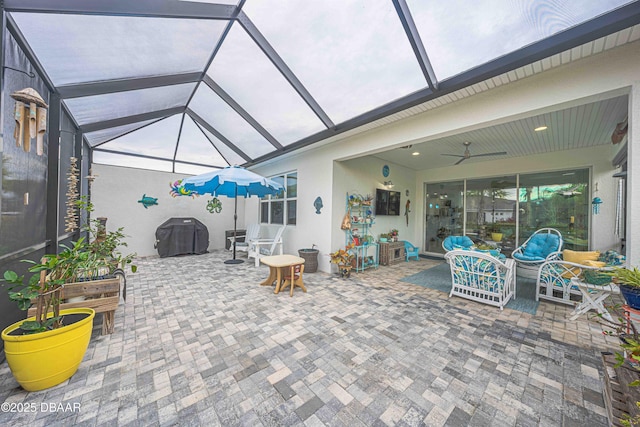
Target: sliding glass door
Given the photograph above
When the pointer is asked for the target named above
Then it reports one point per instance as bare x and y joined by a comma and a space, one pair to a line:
506, 210
491, 211
558, 200
444, 207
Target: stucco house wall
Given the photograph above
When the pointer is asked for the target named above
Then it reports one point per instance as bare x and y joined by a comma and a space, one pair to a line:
612, 73
115, 194
331, 169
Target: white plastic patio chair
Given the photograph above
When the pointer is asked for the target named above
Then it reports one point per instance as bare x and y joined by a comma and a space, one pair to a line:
253, 233
266, 247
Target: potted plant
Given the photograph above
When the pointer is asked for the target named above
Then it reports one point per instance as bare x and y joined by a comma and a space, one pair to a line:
106, 245
47, 349
496, 233
487, 248
628, 280
626, 368
394, 235
384, 237
344, 259
355, 200
367, 200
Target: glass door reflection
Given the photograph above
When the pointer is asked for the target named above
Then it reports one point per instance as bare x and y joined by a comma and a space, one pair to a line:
559, 200
491, 211
444, 207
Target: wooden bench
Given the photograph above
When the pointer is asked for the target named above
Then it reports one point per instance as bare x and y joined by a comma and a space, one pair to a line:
101, 295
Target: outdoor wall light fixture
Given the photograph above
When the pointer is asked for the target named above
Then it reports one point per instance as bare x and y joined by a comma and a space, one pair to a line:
540, 128
388, 184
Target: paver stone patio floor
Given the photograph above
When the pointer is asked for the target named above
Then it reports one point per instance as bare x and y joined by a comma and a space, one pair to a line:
200, 342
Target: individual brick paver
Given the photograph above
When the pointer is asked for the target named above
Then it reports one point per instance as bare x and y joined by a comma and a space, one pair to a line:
200, 342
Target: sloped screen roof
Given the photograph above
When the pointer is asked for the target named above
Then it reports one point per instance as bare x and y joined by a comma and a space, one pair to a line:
188, 86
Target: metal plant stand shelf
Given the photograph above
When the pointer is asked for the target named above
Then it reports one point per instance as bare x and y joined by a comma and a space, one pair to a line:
365, 250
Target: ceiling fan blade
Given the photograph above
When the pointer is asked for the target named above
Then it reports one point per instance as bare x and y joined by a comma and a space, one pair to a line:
452, 155
501, 153
460, 161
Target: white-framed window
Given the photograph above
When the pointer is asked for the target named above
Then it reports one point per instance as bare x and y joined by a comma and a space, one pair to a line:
281, 208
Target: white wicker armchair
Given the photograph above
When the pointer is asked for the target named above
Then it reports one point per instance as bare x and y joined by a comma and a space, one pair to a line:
554, 279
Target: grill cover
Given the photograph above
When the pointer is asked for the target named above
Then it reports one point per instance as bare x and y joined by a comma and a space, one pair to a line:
182, 236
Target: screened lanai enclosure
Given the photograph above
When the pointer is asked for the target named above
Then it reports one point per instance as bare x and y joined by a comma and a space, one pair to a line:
188, 86
191, 86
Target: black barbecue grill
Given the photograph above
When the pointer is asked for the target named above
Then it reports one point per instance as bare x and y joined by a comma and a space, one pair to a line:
182, 236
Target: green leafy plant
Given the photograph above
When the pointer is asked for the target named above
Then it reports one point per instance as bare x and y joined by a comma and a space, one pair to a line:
106, 244
78, 262
627, 276
493, 228
619, 326
45, 285
484, 247
355, 199
628, 421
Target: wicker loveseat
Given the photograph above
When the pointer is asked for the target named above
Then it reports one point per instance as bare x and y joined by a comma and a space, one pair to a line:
481, 277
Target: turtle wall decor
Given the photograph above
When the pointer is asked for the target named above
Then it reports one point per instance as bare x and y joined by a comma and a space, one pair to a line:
148, 201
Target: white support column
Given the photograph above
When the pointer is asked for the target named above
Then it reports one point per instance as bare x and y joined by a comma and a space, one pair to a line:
633, 178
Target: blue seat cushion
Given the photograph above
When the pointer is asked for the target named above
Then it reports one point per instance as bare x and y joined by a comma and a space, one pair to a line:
457, 242
540, 246
522, 257
477, 273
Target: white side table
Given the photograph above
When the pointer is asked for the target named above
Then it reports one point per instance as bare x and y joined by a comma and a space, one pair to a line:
592, 298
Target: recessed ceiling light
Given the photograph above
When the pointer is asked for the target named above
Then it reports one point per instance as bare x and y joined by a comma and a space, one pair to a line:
415, 153
539, 128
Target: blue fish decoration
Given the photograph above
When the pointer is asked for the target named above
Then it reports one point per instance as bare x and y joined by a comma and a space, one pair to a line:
318, 204
148, 201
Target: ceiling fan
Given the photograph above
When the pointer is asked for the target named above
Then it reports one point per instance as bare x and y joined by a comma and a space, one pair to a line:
467, 154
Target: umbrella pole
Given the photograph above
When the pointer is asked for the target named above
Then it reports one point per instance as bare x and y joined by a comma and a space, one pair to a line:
235, 223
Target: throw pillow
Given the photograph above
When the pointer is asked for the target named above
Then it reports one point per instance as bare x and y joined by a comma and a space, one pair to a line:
579, 257
598, 264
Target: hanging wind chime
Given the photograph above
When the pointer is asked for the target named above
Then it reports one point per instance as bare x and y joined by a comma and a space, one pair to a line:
30, 114
595, 203
71, 218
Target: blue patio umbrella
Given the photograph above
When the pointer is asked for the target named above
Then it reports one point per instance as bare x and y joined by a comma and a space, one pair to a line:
232, 181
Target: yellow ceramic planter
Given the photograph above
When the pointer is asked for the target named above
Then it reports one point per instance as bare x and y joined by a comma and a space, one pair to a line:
42, 360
